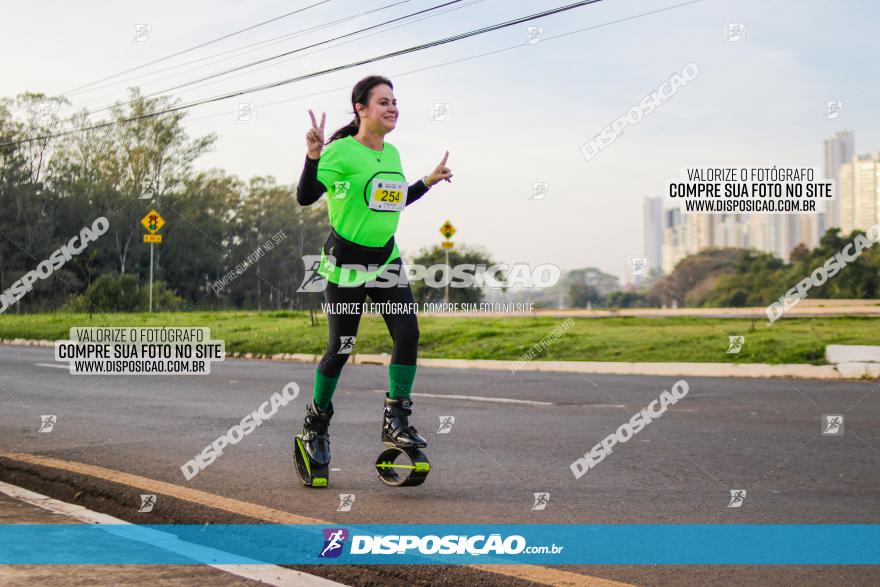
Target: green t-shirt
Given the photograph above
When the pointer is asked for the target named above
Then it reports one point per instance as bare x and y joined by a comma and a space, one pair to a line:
366, 191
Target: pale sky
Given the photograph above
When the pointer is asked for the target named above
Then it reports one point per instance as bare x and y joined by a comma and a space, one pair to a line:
517, 116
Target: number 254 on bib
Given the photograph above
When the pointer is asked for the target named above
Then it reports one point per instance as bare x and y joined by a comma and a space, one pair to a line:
387, 195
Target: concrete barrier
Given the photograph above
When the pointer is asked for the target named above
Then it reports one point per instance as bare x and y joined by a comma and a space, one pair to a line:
851, 353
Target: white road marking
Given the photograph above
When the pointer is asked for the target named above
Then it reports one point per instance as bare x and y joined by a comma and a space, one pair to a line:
65, 367
501, 400
268, 574
479, 398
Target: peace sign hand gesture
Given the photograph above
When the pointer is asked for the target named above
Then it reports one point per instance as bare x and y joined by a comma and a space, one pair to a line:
315, 136
440, 172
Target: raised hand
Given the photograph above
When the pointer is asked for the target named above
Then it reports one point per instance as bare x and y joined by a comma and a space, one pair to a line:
315, 136
440, 172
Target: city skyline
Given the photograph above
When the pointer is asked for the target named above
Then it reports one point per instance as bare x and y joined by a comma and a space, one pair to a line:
856, 205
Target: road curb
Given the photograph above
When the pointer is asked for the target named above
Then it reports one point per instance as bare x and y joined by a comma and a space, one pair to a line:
753, 370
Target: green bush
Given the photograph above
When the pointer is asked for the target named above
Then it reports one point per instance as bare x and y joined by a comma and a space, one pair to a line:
122, 293
164, 298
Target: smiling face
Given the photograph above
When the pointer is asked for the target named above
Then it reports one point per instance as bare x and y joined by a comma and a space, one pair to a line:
380, 114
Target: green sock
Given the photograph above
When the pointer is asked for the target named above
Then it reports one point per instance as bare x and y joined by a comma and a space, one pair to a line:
400, 379
324, 388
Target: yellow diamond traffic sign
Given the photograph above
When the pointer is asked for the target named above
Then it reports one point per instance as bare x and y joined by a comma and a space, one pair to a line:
447, 229
153, 222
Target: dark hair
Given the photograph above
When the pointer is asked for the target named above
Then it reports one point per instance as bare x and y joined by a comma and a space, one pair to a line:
359, 95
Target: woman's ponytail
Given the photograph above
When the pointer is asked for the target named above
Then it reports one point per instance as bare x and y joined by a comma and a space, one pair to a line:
348, 130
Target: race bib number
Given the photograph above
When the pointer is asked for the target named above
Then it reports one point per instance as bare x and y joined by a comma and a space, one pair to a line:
387, 195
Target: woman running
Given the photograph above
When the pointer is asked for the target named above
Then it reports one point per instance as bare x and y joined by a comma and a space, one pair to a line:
366, 192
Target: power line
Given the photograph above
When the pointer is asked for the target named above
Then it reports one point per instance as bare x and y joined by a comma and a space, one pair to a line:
286, 53
357, 40
199, 46
468, 58
243, 49
276, 84
320, 51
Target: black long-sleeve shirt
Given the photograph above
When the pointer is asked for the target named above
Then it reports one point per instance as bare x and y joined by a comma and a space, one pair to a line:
309, 190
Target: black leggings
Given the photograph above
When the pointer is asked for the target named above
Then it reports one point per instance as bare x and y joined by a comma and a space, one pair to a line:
404, 327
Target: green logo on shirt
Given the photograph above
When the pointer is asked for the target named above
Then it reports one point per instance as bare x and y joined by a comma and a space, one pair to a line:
340, 189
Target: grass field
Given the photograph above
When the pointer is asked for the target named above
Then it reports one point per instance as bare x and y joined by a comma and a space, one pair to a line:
800, 340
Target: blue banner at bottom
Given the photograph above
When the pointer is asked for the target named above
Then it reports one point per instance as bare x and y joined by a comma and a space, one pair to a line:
381, 544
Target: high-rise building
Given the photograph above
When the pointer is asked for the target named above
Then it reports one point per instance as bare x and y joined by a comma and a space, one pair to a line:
838, 150
789, 233
728, 231
809, 229
700, 233
674, 240
846, 198
859, 193
652, 215
762, 232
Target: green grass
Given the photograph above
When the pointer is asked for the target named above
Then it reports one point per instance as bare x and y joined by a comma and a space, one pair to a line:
800, 340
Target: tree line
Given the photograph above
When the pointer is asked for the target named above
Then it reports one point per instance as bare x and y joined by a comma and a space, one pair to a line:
53, 185
729, 277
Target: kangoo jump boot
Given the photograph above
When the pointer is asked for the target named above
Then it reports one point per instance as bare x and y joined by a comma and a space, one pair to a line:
396, 431
312, 450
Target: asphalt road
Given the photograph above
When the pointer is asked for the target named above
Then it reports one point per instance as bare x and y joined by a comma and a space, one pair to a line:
761, 435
